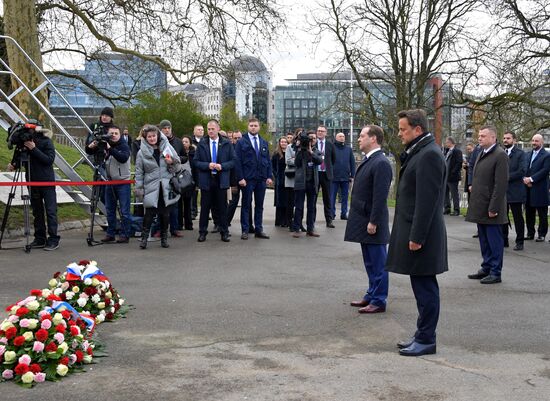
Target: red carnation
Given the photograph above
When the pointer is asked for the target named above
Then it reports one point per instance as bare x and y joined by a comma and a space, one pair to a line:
90, 291
36, 293
9, 307
64, 361
35, 368
74, 331
84, 262
117, 306
60, 328
11, 332
46, 316
51, 347
53, 297
109, 316
22, 311
66, 314
19, 341
63, 296
56, 274
107, 302
79, 356
90, 351
41, 335
21, 369
71, 323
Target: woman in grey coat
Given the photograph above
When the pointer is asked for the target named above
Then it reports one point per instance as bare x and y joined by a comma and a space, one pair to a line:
156, 163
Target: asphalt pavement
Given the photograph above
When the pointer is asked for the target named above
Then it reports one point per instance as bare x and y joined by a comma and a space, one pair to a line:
270, 320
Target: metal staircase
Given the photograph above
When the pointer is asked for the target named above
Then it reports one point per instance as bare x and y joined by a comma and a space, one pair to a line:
10, 114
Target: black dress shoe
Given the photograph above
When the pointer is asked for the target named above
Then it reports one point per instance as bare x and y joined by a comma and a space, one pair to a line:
417, 349
244, 236
518, 247
261, 235
478, 276
405, 343
225, 237
491, 280
455, 214
329, 224
447, 212
506, 244
344, 217
539, 239
215, 230
475, 236
251, 230
529, 238
202, 238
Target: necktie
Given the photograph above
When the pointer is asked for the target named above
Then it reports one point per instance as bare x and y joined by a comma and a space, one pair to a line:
256, 146
322, 143
533, 157
214, 156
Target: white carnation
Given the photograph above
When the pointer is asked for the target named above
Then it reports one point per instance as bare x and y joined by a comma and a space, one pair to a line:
69, 295
81, 302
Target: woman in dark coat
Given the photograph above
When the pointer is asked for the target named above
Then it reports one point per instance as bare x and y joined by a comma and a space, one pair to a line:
185, 215
278, 164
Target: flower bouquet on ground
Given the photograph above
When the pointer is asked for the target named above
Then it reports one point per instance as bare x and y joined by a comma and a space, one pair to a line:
43, 338
87, 289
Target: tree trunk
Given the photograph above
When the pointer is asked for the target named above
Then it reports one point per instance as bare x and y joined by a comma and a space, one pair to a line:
20, 23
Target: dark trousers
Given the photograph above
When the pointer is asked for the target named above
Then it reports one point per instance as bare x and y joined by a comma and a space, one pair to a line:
426, 293
343, 187
374, 258
451, 193
530, 218
289, 205
118, 195
213, 199
44, 199
519, 223
325, 185
194, 205
187, 212
233, 203
256, 187
163, 213
491, 243
299, 196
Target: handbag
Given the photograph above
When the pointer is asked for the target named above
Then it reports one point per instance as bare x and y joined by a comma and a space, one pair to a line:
182, 182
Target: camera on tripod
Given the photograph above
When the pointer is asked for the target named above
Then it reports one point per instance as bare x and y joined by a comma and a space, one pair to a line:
304, 140
100, 136
21, 132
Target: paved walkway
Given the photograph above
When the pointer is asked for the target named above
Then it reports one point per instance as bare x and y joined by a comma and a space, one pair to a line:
269, 320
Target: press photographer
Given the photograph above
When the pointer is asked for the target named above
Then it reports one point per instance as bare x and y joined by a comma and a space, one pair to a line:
34, 151
306, 181
115, 154
101, 127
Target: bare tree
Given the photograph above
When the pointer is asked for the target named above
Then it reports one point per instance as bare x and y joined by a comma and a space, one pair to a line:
189, 39
397, 51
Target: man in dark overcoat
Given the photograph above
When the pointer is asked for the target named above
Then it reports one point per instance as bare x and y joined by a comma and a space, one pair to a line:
368, 221
516, 193
453, 160
488, 206
418, 242
536, 180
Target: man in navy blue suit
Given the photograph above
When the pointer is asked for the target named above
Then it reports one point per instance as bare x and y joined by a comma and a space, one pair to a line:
368, 221
536, 179
253, 169
214, 159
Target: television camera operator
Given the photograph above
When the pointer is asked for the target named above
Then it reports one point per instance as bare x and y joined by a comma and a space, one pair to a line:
33, 143
116, 162
101, 127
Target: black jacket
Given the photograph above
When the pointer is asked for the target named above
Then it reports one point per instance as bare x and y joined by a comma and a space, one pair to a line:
517, 167
41, 159
454, 164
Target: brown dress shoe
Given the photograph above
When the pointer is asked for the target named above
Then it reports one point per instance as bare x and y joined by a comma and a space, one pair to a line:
312, 234
296, 234
359, 304
372, 309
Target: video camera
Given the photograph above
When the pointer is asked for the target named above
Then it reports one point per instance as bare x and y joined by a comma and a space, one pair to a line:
21, 132
99, 135
303, 139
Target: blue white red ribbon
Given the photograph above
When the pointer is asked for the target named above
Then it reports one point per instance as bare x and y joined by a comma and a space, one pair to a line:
78, 272
56, 305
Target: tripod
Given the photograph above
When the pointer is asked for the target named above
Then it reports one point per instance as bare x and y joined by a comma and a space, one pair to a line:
23, 160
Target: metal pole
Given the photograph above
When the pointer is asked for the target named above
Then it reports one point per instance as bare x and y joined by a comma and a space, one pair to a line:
351, 109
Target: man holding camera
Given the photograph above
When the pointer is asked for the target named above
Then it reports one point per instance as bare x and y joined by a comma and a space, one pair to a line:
102, 126
117, 167
41, 156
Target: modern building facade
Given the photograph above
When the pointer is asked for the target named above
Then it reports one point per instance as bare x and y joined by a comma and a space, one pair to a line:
208, 100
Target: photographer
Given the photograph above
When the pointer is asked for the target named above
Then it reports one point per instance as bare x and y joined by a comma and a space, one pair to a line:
101, 127
117, 167
41, 155
306, 180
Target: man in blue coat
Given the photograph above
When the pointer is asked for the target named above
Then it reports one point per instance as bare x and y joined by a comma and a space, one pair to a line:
515, 193
368, 221
214, 159
343, 173
536, 179
253, 169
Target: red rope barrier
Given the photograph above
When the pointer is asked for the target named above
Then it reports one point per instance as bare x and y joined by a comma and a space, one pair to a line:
62, 183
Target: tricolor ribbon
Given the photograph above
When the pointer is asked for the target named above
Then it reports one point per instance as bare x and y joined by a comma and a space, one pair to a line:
57, 305
78, 272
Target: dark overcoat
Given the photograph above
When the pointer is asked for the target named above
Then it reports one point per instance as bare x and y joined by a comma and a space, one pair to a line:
538, 171
329, 158
517, 167
203, 157
454, 165
369, 201
419, 214
302, 158
489, 185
